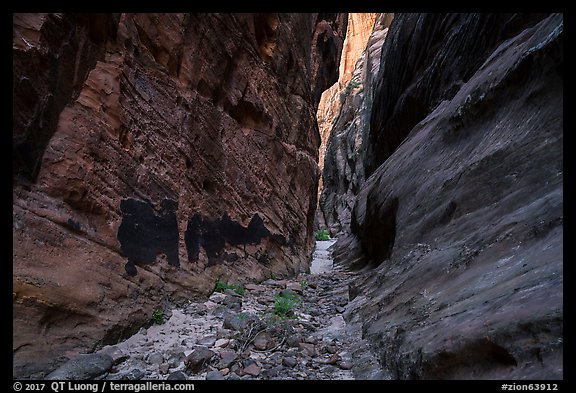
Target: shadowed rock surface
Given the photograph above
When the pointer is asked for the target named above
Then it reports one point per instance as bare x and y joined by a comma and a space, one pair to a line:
82, 367
358, 30
343, 173
128, 126
459, 226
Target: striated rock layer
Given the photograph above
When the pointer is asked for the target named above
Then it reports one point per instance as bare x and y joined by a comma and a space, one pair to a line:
153, 154
358, 30
459, 225
343, 165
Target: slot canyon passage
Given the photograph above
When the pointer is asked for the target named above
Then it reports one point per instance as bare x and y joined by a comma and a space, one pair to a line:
172, 171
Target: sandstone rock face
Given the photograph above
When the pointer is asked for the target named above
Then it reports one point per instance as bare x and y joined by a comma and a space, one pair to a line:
358, 30
459, 226
154, 153
343, 165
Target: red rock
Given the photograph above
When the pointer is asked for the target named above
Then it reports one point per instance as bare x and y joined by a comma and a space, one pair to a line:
253, 369
344, 365
263, 341
137, 137
198, 359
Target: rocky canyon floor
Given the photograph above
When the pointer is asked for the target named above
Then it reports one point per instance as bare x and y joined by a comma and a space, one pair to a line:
252, 335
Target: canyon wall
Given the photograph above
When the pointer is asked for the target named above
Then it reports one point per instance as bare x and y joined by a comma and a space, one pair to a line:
154, 154
346, 140
458, 227
358, 30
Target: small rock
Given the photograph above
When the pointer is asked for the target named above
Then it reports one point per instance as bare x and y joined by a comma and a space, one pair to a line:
262, 341
247, 362
304, 316
224, 333
117, 355
311, 340
175, 360
209, 304
308, 349
227, 358
293, 340
214, 376
253, 287
143, 331
275, 283
259, 356
344, 365
308, 325
197, 308
155, 358
207, 341
198, 359
217, 297
331, 348
222, 342
137, 356
234, 377
225, 371
220, 310
289, 361
340, 309
164, 368
234, 322
265, 299
253, 370
188, 342
233, 303
332, 360
134, 375
177, 376
341, 301
294, 286
86, 366
235, 369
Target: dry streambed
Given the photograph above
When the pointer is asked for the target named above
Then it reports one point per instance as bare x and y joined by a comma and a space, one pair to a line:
277, 329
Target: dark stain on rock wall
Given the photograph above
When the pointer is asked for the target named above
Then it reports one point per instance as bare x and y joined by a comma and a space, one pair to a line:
144, 233
212, 235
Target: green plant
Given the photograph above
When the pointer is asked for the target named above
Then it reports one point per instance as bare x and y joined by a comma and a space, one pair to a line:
322, 235
158, 316
352, 85
284, 305
238, 288
221, 286
242, 316
303, 284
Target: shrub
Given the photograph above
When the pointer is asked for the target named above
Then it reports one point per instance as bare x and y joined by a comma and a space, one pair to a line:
284, 305
221, 286
322, 235
158, 316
